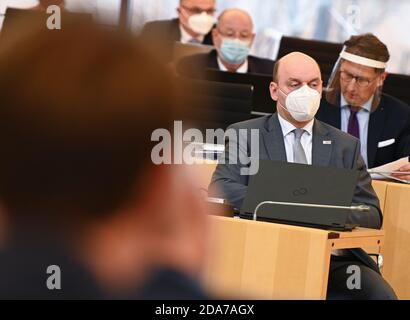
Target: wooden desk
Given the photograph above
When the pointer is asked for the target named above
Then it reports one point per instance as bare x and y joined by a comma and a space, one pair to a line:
380, 187
251, 259
381, 190
396, 250
395, 204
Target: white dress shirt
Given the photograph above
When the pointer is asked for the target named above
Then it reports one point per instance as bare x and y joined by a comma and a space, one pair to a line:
289, 138
363, 117
242, 69
186, 37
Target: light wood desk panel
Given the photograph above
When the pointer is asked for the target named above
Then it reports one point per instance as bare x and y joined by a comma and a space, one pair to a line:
381, 190
396, 250
251, 259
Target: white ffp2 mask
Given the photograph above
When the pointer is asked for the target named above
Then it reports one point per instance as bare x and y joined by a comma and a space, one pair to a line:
303, 103
201, 23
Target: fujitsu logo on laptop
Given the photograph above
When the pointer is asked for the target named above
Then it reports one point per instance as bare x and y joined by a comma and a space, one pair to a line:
300, 192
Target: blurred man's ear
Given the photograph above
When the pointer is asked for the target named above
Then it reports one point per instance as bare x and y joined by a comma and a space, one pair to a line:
181, 16
274, 88
382, 78
178, 10
215, 38
252, 39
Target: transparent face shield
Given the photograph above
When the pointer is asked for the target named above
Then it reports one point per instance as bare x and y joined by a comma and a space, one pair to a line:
332, 91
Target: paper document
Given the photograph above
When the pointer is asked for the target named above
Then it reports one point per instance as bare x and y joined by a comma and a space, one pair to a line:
385, 171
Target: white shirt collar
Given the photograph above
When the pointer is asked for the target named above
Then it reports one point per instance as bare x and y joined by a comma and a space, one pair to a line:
186, 37
242, 69
367, 106
287, 127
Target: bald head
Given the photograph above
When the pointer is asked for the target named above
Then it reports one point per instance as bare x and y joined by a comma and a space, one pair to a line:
233, 24
296, 65
197, 3
235, 16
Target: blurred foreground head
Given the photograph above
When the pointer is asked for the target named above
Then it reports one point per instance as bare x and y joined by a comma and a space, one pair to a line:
78, 107
77, 114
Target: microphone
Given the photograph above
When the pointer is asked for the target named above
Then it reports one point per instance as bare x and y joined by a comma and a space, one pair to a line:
359, 208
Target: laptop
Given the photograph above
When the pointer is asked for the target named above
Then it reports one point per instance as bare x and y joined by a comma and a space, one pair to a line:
300, 184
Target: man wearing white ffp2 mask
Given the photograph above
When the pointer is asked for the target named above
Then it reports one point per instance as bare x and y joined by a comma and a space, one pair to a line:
303, 103
193, 25
196, 19
294, 135
297, 92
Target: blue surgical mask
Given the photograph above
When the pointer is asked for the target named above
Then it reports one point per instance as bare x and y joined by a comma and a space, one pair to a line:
234, 51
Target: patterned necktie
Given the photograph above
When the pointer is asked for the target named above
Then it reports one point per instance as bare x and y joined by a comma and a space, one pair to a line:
299, 155
353, 126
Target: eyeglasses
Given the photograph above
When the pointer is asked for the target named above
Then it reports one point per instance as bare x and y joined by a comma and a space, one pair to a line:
361, 81
231, 34
196, 10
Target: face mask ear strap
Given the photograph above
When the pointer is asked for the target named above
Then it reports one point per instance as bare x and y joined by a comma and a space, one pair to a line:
181, 11
280, 90
280, 105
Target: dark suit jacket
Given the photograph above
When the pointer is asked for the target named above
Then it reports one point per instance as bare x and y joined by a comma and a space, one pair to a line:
23, 271
24, 262
194, 66
343, 152
170, 284
391, 120
164, 33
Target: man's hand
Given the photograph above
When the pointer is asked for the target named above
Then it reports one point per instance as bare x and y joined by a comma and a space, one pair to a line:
406, 172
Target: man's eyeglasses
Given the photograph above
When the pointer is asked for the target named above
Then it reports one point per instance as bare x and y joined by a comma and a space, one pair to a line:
230, 34
361, 81
196, 10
